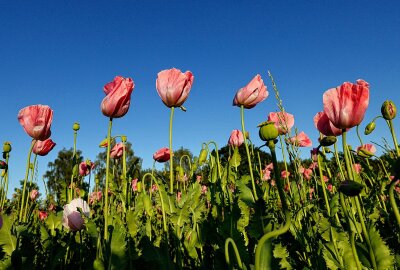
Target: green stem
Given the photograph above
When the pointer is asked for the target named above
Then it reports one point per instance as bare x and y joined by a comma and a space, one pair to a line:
235, 249
5, 189
73, 165
30, 185
218, 161
107, 181
285, 163
285, 208
321, 177
390, 124
248, 154
393, 201
25, 180
161, 197
171, 160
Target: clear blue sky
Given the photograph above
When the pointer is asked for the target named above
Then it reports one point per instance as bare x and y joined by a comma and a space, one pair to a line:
61, 53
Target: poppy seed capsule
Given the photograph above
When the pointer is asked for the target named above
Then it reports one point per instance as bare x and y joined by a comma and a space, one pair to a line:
388, 110
6, 147
369, 128
268, 131
76, 126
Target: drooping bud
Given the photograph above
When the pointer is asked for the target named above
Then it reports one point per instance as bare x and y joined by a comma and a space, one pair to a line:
203, 155
328, 140
350, 188
6, 147
388, 110
369, 128
76, 126
3, 164
362, 152
268, 131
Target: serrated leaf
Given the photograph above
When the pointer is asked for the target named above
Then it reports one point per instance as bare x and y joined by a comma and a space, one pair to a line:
280, 252
235, 158
245, 193
382, 253
8, 241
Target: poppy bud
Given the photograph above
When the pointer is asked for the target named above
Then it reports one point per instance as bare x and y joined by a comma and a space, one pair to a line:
350, 188
123, 138
268, 131
76, 126
388, 110
203, 155
369, 128
328, 140
3, 165
6, 147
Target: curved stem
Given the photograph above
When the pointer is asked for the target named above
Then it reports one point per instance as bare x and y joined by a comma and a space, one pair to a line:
171, 160
235, 249
248, 154
321, 177
161, 197
105, 212
5, 186
393, 201
28, 162
218, 161
269, 235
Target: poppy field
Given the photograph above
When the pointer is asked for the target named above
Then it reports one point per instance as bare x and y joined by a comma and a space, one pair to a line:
242, 208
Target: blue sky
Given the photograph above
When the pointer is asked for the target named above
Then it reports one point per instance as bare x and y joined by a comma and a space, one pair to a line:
61, 53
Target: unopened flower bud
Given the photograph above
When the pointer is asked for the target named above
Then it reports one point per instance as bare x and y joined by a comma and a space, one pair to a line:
369, 128
6, 147
3, 164
328, 140
76, 126
350, 188
388, 110
203, 155
123, 138
268, 131
362, 152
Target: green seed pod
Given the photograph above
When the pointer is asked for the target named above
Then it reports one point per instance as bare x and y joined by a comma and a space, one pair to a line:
369, 128
328, 140
268, 131
350, 188
6, 147
388, 110
76, 126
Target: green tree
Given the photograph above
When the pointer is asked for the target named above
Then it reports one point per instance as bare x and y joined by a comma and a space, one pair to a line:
60, 171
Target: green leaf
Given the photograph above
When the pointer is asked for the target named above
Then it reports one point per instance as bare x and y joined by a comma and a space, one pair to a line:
118, 248
382, 253
280, 252
245, 193
235, 158
8, 241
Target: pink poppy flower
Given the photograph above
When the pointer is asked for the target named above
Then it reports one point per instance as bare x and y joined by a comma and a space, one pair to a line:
283, 121
118, 97
162, 155
117, 151
173, 86
34, 194
134, 184
43, 215
285, 174
357, 167
325, 126
252, 94
42, 148
236, 138
307, 173
72, 219
85, 167
329, 187
345, 105
36, 121
266, 175
301, 140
